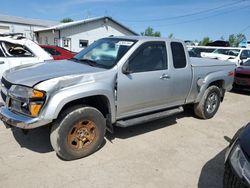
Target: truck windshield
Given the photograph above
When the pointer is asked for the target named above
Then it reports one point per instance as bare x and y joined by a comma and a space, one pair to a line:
105, 52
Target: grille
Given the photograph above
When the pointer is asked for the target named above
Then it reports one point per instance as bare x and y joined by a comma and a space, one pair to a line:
3, 96
6, 83
242, 75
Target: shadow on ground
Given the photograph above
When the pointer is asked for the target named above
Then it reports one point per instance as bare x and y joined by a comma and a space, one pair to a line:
38, 139
139, 129
212, 172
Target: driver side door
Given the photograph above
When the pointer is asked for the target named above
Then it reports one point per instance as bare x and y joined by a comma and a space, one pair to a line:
146, 86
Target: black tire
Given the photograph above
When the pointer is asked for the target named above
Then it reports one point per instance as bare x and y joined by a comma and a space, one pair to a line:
230, 180
78, 132
209, 104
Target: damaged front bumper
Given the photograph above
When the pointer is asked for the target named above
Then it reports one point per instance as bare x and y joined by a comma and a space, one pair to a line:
17, 120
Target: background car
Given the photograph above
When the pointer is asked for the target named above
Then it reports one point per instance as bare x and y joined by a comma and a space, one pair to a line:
16, 50
242, 76
234, 55
237, 163
195, 51
57, 52
219, 43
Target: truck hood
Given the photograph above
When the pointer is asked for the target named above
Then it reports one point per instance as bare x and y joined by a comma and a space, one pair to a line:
30, 75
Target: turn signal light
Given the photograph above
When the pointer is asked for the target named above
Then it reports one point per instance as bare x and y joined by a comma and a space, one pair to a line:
35, 109
37, 94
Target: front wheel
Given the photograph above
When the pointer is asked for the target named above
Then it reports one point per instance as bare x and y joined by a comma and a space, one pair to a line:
78, 132
209, 104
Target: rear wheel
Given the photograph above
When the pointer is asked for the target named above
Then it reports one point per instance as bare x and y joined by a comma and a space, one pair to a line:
78, 132
209, 104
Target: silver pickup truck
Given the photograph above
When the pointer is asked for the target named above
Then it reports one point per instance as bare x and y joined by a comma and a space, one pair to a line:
116, 81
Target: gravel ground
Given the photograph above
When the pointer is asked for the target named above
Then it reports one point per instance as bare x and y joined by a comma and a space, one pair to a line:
177, 152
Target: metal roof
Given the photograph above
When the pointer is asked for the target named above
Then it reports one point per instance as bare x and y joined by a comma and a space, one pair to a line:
26, 21
74, 23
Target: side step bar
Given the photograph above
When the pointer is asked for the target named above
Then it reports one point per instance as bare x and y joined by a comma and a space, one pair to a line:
150, 117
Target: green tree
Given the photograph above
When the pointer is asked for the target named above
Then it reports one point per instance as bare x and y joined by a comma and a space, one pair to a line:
205, 41
234, 40
66, 20
150, 32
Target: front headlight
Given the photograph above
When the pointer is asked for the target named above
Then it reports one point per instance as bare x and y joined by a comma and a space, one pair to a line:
26, 100
25, 92
240, 163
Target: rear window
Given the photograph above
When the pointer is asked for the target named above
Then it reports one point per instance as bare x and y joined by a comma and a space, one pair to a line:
179, 57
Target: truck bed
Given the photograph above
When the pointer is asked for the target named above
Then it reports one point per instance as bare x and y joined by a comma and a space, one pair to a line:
201, 62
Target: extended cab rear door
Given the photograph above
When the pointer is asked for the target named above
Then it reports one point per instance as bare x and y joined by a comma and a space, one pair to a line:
147, 85
181, 72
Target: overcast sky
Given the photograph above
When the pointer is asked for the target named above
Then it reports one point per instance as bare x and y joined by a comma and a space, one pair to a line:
186, 19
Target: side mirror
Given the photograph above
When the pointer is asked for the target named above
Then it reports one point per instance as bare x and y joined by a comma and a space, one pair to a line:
125, 68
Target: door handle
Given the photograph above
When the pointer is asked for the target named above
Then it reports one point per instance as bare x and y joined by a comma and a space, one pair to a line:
1, 62
165, 76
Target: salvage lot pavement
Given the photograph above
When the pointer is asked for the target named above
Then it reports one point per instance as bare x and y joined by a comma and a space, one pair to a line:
181, 151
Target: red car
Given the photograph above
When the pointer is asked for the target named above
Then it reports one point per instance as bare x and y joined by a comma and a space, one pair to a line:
57, 52
242, 76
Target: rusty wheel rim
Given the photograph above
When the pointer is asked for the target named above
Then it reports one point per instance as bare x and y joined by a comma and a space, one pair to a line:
82, 134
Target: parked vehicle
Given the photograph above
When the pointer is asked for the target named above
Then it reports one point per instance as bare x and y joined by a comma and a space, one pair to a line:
58, 53
197, 50
237, 162
235, 55
244, 44
16, 50
220, 43
193, 53
116, 81
242, 76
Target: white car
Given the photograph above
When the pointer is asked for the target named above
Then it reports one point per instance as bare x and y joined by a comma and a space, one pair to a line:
235, 55
16, 50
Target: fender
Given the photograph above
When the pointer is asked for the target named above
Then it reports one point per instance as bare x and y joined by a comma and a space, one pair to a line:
59, 99
203, 83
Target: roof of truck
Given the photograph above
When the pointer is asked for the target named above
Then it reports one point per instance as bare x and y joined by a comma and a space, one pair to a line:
146, 38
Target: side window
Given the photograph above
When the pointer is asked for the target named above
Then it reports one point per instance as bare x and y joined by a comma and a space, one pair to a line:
150, 57
179, 57
52, 51
16, 50
245, 53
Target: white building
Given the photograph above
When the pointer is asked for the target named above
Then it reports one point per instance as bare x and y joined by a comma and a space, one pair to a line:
77, 35
26, 26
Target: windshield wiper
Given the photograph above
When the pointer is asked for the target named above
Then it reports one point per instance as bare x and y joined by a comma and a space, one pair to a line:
74, 59
89, 62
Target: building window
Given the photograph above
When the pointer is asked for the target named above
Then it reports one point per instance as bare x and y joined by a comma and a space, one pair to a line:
83, 43
66, 43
